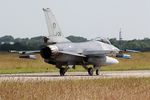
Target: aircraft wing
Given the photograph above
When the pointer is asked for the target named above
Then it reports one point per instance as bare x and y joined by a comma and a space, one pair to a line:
71, 53
131, 51
126, 56
25, 52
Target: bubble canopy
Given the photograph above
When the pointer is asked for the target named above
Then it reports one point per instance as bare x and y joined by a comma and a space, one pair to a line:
104, 40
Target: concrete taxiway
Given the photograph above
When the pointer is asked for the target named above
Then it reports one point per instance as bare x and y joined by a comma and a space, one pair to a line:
73, 75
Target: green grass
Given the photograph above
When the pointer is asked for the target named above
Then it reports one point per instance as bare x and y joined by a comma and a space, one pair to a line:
99, 89
10, 63
26, 70
139, 61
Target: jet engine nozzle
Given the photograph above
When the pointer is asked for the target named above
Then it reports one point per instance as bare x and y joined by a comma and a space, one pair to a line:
49, 52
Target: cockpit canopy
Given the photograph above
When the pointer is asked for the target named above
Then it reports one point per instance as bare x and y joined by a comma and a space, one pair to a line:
104, 40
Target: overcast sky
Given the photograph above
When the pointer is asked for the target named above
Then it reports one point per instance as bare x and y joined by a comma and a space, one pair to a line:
88, 18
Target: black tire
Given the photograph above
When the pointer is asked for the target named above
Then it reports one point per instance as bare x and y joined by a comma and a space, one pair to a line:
90, 71
97, 72
62, 71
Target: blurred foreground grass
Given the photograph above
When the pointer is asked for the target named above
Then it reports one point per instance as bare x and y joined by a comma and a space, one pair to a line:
100, 89
11, 63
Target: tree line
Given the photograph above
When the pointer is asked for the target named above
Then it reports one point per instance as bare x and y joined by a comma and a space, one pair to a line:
10, 43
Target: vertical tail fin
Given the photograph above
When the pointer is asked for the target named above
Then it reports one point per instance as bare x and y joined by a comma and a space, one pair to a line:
55, 34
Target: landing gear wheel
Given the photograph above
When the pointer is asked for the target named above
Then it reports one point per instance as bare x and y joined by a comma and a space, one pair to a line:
62, 71
97, 72
90, 71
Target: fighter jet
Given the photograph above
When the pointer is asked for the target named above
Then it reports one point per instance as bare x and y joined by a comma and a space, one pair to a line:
64, 54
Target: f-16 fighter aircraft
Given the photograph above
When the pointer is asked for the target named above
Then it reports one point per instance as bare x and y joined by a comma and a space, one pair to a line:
64, 54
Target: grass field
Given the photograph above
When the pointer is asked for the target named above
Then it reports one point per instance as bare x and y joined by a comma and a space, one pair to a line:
139, 61
10, 63
102, 89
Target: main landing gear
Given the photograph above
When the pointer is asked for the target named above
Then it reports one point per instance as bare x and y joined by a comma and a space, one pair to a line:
62, 71
91, 71
97, 72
